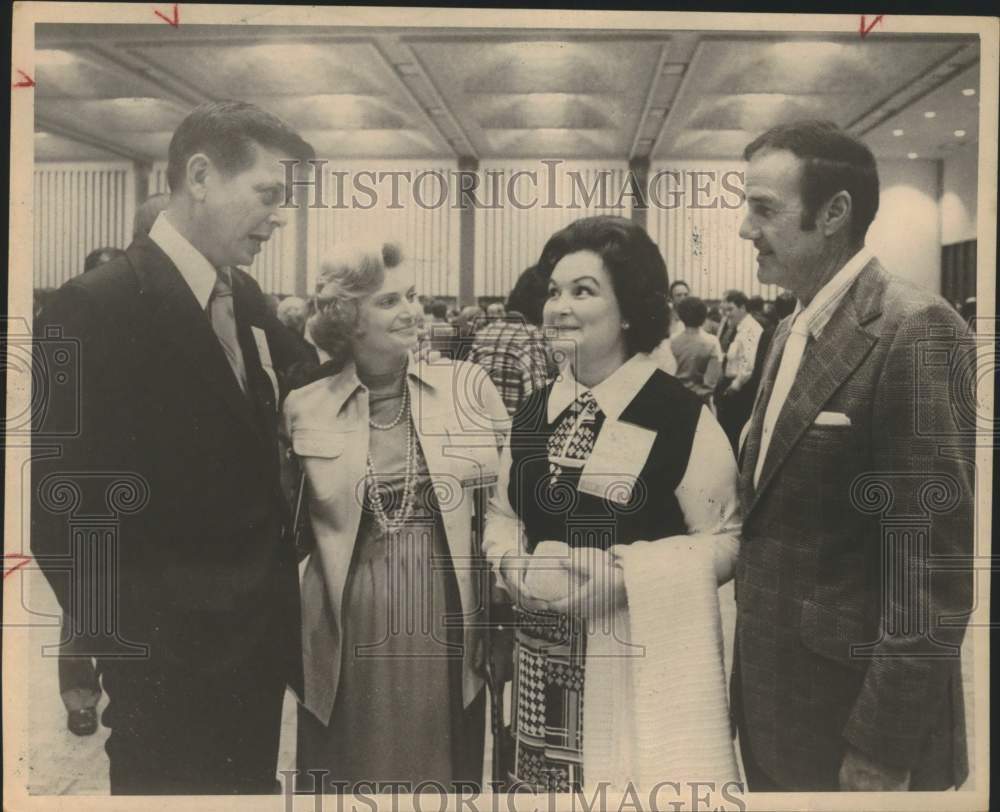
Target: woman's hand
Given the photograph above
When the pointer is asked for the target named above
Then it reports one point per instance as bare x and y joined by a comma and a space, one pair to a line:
594, 594
536, 580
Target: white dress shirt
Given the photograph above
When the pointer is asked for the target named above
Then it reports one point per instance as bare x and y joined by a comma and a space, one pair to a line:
197, 271
743, 351
201, 277
808, 321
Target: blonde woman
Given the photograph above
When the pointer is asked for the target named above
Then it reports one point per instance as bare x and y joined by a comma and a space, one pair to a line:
392, 450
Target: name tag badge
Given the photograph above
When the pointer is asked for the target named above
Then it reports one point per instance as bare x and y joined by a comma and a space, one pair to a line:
260, 337
619, 455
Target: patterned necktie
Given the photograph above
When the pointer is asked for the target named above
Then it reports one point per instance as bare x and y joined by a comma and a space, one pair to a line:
223, 317
572, 441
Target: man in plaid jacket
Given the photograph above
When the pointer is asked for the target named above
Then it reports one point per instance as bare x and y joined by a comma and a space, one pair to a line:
857, 489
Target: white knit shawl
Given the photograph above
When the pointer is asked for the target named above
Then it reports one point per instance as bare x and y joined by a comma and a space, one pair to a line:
655, 704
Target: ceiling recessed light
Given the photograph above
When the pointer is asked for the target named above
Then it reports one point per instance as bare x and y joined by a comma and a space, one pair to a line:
912, 155
897, 133
930, 114
960, 133
969, 91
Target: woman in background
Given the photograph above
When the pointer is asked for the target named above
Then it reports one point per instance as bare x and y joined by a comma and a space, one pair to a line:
392, 451
614, 522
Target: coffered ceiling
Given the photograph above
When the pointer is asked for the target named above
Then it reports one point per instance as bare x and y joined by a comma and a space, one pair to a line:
119, 91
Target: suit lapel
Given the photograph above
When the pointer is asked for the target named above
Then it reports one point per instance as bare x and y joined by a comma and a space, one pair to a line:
826, 364
246, 307
179, 319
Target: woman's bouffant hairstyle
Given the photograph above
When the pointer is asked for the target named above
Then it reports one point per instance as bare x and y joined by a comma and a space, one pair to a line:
350, 273
632, 260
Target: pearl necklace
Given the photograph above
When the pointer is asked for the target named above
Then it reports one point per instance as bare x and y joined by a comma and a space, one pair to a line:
403, 408
405, 512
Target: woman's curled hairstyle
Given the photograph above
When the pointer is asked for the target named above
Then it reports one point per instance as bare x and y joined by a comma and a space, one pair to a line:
637, 270
346, 276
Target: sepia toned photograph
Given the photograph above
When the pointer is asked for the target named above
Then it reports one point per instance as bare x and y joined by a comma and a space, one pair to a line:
451, 408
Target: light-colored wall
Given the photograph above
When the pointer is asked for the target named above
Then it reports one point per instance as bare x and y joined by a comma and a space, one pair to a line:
959, 191
699, 240
906, 234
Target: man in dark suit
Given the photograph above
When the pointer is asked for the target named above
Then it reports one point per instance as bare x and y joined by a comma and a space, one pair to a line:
854, 490
193, 611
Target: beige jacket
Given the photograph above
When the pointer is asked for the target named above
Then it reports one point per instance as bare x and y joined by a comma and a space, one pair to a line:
460, 421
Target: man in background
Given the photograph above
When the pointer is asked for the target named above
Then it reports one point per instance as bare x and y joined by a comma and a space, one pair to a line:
101, 256
79, 684
181, 363
697, 354
147, 212
512, 348
733, 393
679, 291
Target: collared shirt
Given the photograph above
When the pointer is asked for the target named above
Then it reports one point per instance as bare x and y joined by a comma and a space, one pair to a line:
196, 270
806, 322
349, 383
742, 352
612, 394
706, 493
824, 304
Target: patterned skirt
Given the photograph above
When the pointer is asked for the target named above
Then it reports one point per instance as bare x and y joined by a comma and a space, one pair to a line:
549, 651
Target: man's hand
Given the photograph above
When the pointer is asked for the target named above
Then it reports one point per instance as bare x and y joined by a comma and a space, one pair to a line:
860, 773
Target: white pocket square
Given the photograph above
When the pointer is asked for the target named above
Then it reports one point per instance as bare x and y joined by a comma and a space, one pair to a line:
832, 419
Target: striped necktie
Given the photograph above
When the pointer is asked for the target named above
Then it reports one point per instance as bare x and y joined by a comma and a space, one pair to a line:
223, 318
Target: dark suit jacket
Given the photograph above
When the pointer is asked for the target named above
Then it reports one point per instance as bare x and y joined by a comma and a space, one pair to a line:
204, 577
841, 536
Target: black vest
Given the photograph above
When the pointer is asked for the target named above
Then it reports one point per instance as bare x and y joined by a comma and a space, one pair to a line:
564, 513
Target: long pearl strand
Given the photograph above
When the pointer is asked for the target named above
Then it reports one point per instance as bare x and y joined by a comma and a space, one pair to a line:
402, 516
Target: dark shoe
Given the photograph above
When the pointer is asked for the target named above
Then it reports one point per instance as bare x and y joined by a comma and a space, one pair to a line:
82, 722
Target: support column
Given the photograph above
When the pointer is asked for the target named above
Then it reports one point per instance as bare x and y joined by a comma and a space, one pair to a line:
467, 240
302, 241
140, 190
639, 181
142, 170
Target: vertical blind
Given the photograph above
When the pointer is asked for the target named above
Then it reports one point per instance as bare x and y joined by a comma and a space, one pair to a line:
695, 218
409, 203
82, 206
510, 237
78, 208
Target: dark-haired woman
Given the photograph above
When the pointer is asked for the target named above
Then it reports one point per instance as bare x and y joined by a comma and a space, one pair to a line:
392, 450
614, 523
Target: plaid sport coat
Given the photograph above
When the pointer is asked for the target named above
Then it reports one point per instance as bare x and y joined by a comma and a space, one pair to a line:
851, 610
